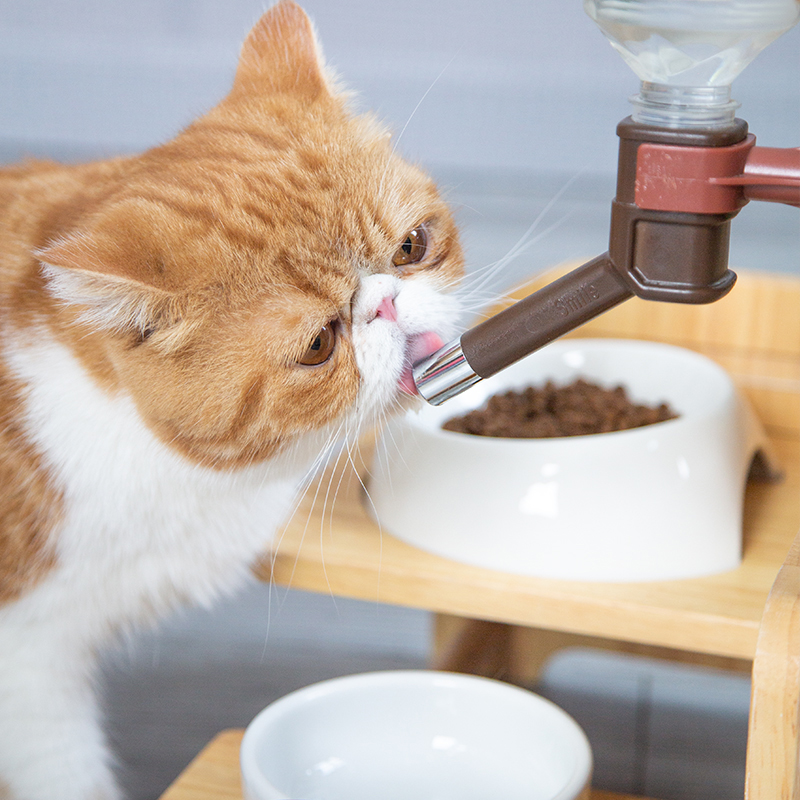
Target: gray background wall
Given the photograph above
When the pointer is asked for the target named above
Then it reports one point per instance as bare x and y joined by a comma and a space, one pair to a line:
506, 85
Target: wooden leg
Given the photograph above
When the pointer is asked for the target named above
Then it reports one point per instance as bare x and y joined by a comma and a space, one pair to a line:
477, 647
773, 766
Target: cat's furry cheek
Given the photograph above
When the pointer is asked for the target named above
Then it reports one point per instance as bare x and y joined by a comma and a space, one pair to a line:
424, 306
379, 348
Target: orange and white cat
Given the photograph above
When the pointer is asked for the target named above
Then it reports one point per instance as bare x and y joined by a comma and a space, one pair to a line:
184, 335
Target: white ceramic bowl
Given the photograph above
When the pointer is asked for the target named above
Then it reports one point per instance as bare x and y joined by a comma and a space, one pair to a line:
414, 735
658, 502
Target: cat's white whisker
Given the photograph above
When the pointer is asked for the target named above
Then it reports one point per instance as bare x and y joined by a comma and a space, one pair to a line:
396, 139
477, 279
375, 517
386, 433
346, 445
319, 465
522, 246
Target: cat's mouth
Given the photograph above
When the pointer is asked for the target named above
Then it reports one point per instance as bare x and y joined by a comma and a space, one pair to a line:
418, 347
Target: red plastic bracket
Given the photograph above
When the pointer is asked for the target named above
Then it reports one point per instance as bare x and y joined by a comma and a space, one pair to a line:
678, 178
715, 180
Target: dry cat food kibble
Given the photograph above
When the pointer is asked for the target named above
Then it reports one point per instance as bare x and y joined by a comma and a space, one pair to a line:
577, 409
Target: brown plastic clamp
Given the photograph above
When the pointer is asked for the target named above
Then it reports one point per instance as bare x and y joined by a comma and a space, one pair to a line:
670, 227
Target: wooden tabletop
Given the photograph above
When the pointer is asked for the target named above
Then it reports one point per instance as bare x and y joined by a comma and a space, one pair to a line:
214, 774
332, 545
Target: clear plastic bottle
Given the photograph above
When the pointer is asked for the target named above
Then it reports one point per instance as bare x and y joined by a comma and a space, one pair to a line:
687, 52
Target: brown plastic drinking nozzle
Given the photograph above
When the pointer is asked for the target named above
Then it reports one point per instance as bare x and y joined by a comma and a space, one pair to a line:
677, 192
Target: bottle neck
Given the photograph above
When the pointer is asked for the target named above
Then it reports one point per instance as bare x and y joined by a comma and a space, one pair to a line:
666, 106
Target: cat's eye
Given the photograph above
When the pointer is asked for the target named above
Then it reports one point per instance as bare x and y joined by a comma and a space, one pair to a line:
321, 347
413, 249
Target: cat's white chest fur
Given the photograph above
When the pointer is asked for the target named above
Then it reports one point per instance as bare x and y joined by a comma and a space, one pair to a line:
144, 529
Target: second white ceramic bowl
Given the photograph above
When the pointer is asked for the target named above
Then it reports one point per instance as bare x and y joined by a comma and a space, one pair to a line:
659, 502
414, 735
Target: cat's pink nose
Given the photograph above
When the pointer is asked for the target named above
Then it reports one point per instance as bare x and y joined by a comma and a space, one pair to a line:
386, 309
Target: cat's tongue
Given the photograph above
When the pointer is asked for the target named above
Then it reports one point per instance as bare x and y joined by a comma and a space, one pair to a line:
420, 345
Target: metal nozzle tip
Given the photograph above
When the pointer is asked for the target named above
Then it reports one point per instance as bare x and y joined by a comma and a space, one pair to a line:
444, 374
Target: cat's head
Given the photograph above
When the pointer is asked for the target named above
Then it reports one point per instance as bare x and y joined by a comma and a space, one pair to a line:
271, 272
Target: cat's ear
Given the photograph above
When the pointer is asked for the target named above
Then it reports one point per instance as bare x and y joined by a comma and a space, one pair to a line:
90, 271
281, 54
